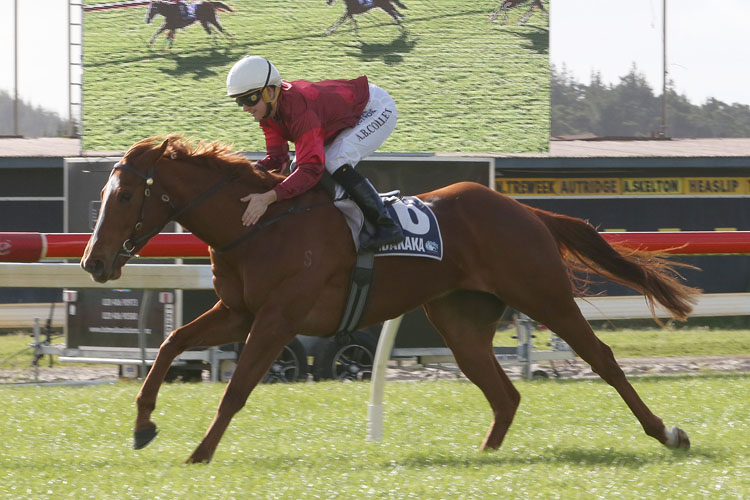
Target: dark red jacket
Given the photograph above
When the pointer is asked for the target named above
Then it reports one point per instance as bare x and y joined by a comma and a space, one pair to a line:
310, 114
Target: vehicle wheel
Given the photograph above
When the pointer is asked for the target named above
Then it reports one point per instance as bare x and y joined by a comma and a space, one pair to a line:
351, 361
183, 374
290, 366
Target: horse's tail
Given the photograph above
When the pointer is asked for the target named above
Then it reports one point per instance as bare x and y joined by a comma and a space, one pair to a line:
221, 6
584, 250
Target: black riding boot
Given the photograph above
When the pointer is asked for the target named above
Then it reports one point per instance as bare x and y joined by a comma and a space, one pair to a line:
363, 193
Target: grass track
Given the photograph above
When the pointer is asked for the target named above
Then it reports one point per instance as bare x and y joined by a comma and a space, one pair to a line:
461, 82
572, 439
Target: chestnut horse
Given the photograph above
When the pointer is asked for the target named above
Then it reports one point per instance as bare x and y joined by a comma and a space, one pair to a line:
290, 274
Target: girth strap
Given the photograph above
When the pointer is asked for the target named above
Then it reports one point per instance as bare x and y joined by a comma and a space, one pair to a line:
360, 287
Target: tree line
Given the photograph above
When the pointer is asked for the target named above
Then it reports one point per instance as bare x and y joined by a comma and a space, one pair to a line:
32, 121
630, 108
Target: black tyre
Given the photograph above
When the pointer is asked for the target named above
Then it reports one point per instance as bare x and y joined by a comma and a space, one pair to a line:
290, 366
184, 374
350, 361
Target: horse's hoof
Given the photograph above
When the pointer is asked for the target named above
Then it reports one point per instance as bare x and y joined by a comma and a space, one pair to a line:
677, 439
144, 437
193, 459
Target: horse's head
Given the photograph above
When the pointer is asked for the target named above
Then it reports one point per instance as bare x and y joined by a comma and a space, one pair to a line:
131, 211
153, 9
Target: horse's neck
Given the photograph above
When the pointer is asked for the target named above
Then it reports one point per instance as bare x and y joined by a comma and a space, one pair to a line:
217, 219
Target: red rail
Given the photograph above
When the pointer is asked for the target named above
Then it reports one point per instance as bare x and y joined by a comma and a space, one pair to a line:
685, 242
33, 247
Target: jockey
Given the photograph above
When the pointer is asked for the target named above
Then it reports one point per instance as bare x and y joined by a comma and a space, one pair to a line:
186, 11
333, 125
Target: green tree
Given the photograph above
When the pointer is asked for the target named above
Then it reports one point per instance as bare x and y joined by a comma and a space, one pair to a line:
631, 109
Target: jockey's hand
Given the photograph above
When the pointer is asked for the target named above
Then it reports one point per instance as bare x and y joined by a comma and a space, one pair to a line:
257, 206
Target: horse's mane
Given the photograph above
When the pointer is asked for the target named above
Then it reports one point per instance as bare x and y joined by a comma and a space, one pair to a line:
210, 154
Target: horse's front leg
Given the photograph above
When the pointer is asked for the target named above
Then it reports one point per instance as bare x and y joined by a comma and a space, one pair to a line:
335, 25
267, 338
527, 15
217, 326
160, 30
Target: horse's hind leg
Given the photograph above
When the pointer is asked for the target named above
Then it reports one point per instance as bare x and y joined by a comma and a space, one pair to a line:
218, 26
395, 15
217, 326
206, 27
559, 312
467, 321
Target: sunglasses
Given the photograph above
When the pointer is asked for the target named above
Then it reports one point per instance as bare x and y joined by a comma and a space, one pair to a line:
249, 99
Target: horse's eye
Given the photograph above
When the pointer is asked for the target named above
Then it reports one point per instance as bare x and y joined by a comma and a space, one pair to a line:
124, 197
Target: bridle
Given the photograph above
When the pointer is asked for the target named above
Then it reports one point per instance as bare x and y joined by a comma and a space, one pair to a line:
134, 242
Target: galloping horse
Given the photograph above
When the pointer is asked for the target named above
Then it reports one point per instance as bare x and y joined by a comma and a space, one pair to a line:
354, 7
290, 273
205, 13
506, 5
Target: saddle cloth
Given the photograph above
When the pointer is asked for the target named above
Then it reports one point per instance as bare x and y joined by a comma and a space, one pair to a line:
420, 226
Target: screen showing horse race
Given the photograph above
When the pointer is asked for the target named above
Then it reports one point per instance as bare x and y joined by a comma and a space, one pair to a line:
466, 77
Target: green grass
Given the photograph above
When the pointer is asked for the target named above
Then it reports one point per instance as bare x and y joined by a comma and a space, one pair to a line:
630, 343
461, 82
572, 439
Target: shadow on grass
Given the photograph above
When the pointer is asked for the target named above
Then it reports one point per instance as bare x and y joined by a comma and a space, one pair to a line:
657, 378
536, 41
239, 47
556, 456
390, 53
200, 65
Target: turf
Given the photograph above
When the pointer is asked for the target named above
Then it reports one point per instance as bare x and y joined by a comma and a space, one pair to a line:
573, 439
461, 82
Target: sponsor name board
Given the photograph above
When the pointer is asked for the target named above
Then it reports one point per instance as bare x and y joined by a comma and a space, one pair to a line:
624, 186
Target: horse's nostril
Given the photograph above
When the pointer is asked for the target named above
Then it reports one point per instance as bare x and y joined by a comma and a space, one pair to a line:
93, 266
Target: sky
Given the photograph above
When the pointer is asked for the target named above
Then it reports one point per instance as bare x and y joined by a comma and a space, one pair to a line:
708, 46
42, 53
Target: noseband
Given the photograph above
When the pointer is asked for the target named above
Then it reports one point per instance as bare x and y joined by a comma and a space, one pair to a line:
134, 242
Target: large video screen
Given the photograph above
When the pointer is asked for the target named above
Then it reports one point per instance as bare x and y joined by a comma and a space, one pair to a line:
467, 77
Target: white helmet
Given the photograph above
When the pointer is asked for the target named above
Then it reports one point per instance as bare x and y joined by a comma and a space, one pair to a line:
250, 73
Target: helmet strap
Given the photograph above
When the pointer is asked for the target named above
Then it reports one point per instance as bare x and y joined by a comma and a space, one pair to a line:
270, 102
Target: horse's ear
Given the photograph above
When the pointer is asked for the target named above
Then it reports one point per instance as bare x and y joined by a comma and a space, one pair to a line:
163, 147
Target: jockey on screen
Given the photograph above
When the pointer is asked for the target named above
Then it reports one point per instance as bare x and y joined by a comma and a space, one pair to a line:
333, 125
186, 11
